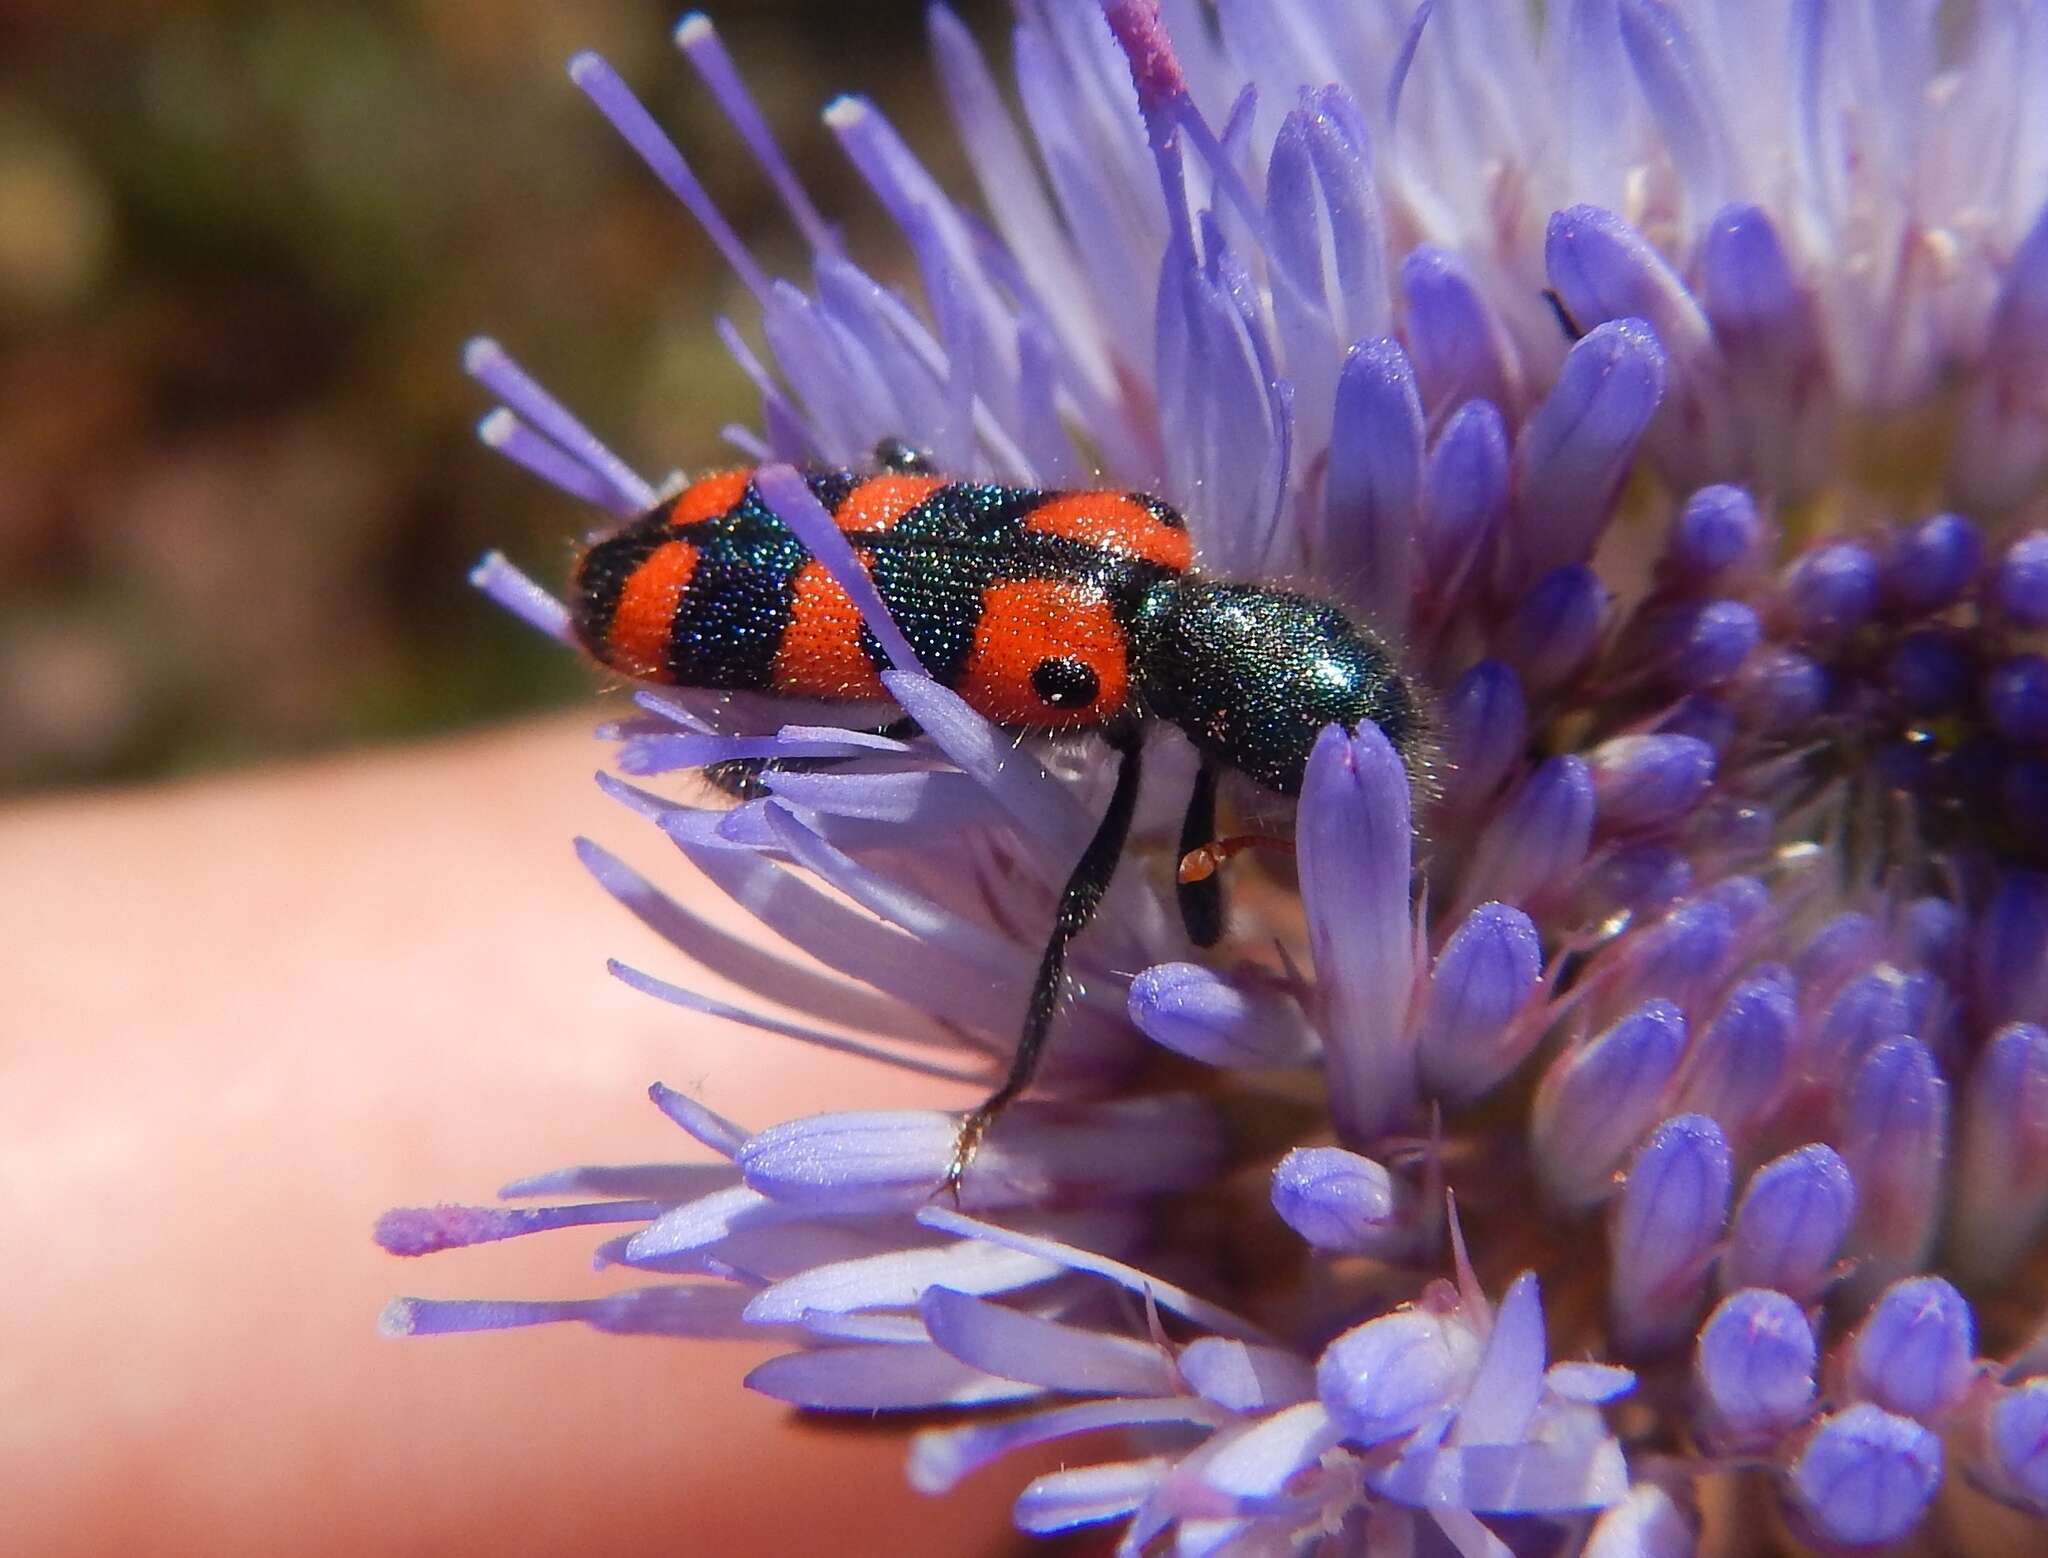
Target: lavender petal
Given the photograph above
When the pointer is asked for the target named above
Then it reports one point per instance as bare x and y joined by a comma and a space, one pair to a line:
1374, 481
700, 1311
1034, 1351
1244, 1376
1234, 1023
1354, 853
1087, 1495
880, 1378
893, 1159
1576, 445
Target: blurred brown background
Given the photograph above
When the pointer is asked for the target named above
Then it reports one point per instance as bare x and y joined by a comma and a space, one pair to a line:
240, 248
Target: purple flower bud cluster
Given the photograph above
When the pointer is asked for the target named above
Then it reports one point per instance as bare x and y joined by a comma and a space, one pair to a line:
1669, 382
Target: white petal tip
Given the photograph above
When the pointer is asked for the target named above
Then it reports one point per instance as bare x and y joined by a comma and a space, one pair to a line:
842, 113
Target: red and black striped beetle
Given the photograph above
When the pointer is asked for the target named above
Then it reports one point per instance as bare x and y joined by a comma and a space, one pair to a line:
1046, 611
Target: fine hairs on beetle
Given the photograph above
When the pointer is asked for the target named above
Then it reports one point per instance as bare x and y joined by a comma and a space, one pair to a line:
1046, 611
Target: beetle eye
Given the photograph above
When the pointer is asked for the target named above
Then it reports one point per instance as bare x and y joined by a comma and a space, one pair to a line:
1064, 684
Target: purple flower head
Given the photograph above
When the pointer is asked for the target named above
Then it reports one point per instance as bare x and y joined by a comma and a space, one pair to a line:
1666, 388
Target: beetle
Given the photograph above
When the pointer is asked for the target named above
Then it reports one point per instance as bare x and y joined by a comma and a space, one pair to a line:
1046, 611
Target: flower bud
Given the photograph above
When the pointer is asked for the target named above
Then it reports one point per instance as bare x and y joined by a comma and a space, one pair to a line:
1384, 1378
1738, 1067
1464, 492
1755, 1368
1931, 565
1341, 1202
1354, 847
2021, 583
2018, 1441
1667, 1221
1711, 642
1791, 1224
1832, 589
1866, 1476
2016, 699
1578, 443
1914, 1352
1486, 973
1929, 672
1485, 729
2002, 1178
1718, 529
1781, 689
2009, 946
1648, 781
1555, 627
1598, 1098
1895, 1141
1459, 346
1539, 835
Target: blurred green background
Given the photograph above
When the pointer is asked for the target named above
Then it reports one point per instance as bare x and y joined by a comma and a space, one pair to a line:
240, 248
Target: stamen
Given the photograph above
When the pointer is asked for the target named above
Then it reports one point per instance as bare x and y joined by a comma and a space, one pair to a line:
615, 100
486, 361
700, 44
505, 585
505, 433
424, 1230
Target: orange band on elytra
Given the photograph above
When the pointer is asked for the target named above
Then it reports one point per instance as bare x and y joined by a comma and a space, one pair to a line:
820, 655
880, 501
1025, 622
636, 641
1116, 523
709, 497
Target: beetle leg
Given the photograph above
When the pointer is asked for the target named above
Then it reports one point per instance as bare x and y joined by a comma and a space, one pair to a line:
1078, 901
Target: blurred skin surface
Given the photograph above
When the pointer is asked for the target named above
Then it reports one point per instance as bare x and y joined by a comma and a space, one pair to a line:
244, 1016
